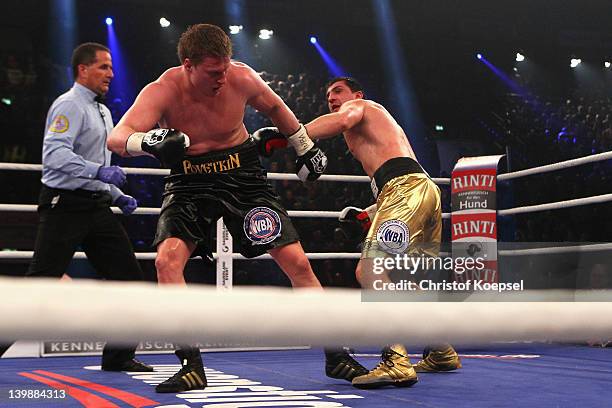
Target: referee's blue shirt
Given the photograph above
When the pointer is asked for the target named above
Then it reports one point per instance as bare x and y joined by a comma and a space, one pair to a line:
74, 146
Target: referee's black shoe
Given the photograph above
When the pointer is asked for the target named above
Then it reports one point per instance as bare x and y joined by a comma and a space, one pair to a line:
191, 376
133, 365
339, 364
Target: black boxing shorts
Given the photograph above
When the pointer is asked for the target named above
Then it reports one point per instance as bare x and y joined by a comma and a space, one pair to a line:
228, 183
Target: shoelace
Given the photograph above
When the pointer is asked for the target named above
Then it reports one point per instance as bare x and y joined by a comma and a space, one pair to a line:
387, 353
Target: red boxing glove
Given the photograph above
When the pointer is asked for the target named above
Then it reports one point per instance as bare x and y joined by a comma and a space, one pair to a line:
358, 215
269, 139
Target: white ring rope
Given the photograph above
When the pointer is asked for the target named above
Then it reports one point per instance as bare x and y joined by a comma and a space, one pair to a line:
557, 250
338, 177
148, 256
128, 312
556, 166
21, 166
166, 172
156, 211
355, 255
557, 205
346, 178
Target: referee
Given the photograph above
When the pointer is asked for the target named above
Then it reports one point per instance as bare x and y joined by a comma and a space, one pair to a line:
79, 186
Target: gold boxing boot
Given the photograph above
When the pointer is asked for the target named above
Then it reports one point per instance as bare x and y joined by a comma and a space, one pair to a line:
394, 369
438, 359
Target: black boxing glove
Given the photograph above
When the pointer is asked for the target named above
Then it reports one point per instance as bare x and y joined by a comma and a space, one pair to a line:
269, 139
166, 145
311, 165
311, 161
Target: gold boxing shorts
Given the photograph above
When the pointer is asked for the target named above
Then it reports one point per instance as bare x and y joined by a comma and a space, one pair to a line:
408, 217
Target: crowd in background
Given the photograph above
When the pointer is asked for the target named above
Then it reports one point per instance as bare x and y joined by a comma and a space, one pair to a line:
536, 130
543, 129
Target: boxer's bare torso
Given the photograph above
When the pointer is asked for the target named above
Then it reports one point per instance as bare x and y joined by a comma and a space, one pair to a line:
371, 133
212, 122
376, 138
206, 102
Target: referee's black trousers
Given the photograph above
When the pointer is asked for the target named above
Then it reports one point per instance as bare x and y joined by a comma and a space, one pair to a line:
69, 219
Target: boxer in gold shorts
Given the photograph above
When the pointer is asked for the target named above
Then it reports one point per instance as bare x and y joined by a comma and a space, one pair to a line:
406, 218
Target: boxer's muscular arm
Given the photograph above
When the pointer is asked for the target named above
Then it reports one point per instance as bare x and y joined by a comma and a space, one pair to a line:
332, 124
143, 116
263, 98
311, 161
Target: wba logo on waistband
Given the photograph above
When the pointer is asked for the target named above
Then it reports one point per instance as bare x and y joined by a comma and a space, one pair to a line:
393, 236
262, 225
214, 166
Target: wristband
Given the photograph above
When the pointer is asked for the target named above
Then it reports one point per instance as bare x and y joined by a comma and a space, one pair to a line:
300, 141
133, 144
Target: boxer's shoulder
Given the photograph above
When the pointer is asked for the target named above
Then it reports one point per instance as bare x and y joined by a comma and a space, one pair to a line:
356, 104
165, 88
242, 74
169, 81
171, 74
240, 68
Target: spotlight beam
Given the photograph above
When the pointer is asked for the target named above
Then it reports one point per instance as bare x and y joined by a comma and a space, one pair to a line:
62, 38
332, 65
236, 16
121, 92
403, 99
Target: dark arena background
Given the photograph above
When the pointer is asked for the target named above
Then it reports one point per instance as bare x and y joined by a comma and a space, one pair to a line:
529, 80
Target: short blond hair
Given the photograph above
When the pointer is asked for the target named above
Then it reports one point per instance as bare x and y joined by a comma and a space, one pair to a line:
203, 40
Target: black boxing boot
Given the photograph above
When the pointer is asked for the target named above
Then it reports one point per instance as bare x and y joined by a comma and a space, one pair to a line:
339, 364
191, 376
4, 347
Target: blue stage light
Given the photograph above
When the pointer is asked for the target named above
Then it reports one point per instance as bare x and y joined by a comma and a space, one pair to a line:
313, 40
109, 21
479, 56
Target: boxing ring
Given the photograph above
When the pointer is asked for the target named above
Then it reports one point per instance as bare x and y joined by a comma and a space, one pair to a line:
508, 357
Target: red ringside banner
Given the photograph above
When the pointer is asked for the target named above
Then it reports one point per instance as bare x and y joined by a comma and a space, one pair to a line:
474, 215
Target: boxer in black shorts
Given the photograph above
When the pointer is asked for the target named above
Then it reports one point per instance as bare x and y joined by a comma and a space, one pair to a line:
199, 107
228, 183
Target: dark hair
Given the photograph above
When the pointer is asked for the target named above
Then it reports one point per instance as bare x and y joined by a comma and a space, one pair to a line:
352, 83
85, 54
203, 40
